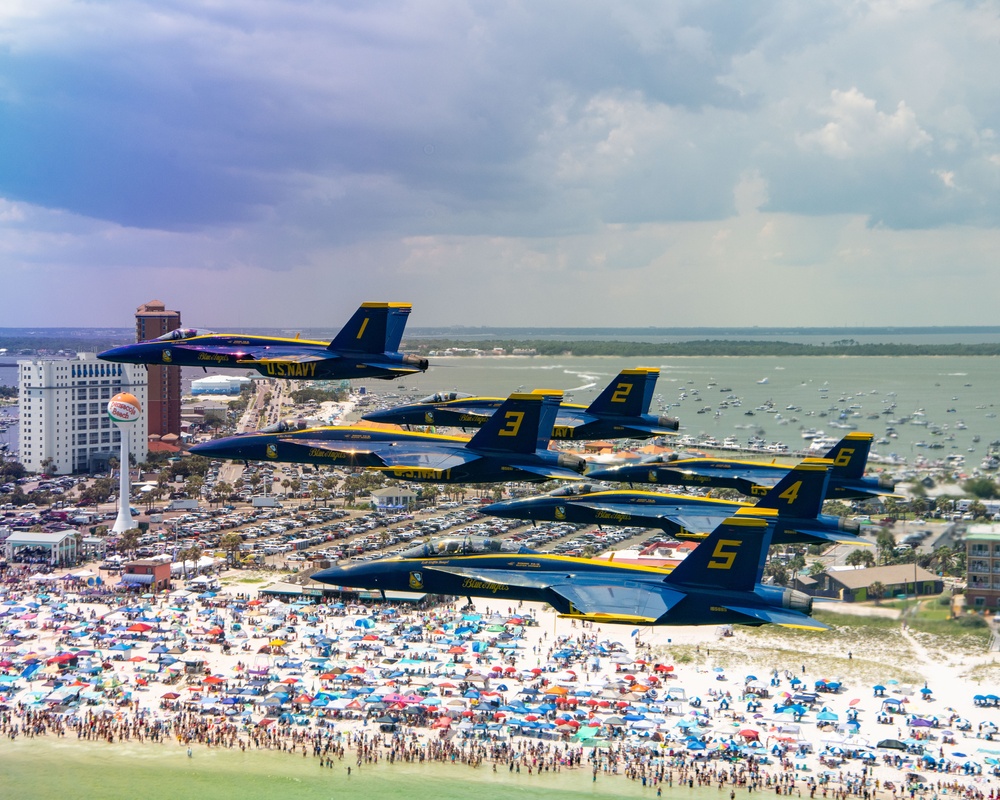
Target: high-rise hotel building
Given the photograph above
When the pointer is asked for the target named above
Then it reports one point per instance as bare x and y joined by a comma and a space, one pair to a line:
64, 413
152, 319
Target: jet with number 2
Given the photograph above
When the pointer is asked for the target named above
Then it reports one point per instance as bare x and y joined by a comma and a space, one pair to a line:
755, 478
791, 509
512, 446
621, 411
719, 583
366, 347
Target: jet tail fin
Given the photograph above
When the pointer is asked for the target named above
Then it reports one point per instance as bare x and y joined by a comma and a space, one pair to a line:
731, 557
850, 455
523, 424
628, 395
374, 328
801, 492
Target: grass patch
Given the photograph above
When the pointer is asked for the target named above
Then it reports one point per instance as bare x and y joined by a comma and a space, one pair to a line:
250, 580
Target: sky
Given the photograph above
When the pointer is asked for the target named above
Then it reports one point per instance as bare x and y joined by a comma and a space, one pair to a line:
683, 163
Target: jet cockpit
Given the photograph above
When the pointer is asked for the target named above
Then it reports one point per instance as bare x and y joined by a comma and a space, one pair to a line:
445, 546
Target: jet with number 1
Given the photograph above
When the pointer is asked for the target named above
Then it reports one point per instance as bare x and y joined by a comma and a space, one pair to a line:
366, 347
621, 411
511, 446
719, 583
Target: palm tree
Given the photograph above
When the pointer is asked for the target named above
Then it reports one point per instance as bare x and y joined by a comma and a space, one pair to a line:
129, 541
885, 544
230, 543
876, 590
816, 568
860, 557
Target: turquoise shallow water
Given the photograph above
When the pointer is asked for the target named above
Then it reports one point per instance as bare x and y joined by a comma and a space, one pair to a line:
69, 769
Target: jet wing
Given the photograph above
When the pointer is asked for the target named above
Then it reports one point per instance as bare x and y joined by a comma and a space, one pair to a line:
290, 358
587, 595
681, 515
550, 472
393, 455
710, 471
780, 616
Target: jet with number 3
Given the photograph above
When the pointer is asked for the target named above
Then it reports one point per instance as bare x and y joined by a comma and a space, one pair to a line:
755, 478
718, 583
511, 446
621, 411
791, 509
366, 347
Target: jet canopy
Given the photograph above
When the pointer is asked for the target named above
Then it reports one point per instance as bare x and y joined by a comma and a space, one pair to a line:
444, 397
179, 334
575, 490
285, 426
463, 546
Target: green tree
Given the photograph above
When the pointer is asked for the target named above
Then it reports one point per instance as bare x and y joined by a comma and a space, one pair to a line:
885, 544
230, 544
876, 590
816, 568
984, 488
837, 508
862, 557
776, 570
129, 541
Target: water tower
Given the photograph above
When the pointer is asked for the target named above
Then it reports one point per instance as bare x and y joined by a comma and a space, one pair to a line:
124, 410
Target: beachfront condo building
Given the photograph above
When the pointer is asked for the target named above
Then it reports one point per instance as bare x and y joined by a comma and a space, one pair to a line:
65, 425
153, 319
982, 567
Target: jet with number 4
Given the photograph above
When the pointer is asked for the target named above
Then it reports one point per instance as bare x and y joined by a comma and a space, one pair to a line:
755, 478
719, 583
791, 509
366, 347
511, 446
621, 411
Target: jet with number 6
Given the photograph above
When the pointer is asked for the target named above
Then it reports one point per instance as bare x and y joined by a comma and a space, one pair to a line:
791, 509
621, 411
511, 446
366, 347
719, 583
755, 478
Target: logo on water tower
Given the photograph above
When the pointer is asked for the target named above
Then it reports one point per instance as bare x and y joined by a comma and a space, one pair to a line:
124, 408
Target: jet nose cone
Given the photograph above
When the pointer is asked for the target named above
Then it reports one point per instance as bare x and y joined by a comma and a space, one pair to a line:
123, 353
225, 448
385, 415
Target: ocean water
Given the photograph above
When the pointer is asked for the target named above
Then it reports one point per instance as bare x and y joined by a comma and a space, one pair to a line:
69, 769
960, 396
943, 392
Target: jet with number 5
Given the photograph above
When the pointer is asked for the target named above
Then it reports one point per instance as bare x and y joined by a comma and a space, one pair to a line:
366, 347
791, 509
756, 478
621, 411
511, 446
719, 583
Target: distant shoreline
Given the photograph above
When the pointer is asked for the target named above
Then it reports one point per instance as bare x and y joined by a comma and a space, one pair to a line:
702, 348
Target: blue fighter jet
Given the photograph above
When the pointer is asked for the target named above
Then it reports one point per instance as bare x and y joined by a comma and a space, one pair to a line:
366, 347
757, 478
717, 584
512, 446
791, 508
620, 411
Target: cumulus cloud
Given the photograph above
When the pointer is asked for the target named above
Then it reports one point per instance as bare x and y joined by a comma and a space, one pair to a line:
414, 147
857, 128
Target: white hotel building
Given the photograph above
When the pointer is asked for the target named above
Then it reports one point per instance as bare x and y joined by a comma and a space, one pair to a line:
64, 412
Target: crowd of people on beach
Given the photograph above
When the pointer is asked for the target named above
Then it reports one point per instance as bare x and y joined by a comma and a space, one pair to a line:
352, 686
